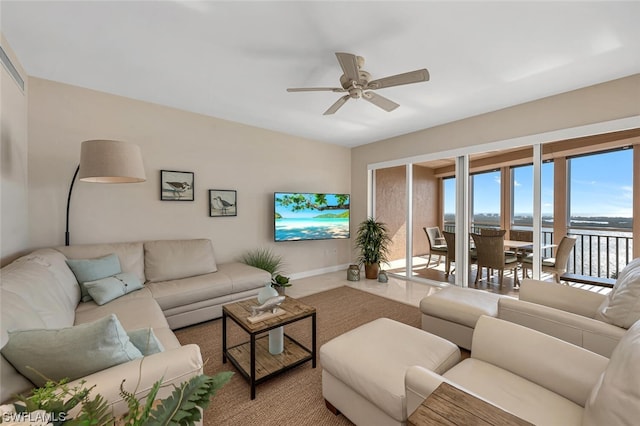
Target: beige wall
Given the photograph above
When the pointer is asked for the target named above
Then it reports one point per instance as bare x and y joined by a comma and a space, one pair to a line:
14, 231
222, 154
391, 196
425, 207
595, 104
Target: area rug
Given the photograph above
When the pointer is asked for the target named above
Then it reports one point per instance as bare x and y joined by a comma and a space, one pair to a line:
294, 397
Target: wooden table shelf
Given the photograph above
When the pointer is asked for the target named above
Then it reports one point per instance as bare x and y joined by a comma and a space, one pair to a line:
252, 358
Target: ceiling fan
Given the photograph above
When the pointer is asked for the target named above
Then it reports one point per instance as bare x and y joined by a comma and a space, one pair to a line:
358, 84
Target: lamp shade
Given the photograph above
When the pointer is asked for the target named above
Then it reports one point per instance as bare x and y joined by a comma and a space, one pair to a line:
106, 161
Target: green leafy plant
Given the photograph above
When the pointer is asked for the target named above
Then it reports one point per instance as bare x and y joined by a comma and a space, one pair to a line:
56, 399
372, 240
263, 258
280, 281
182, 407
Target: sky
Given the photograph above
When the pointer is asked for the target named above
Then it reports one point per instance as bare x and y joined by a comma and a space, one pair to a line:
287, 212
600, 185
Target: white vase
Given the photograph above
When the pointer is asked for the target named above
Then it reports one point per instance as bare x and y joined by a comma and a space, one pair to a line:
266, 293
276, 341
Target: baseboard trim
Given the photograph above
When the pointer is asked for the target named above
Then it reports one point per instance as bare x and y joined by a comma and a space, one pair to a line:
314, 272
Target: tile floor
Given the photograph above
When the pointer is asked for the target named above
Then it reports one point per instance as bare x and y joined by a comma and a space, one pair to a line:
398, 289
404, 291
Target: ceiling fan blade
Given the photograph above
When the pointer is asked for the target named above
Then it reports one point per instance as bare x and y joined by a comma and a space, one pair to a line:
316, 89
349, 65
400, 79
336, 106
380, 101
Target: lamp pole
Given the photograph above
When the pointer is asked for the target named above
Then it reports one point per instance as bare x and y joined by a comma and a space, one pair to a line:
66, 233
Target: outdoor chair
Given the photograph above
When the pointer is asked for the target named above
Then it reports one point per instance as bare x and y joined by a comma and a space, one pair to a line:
490, 254
553, 265
450, 238
437, 244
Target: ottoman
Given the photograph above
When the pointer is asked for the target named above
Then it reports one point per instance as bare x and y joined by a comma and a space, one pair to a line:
363, 370
452, 312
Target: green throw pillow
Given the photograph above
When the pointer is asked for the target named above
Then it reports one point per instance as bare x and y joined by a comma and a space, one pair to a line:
94, 269
146, 341
71, 352
107, 289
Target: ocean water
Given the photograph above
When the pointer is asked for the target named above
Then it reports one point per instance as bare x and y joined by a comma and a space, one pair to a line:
311, 229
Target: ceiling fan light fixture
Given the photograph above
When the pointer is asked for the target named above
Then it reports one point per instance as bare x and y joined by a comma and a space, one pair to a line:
357, 82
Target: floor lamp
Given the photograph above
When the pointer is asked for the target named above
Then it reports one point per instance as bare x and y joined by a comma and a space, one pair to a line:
106, 161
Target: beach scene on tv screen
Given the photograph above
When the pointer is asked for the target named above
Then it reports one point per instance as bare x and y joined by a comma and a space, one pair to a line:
311, 216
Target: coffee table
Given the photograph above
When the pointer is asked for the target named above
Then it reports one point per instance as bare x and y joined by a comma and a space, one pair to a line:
252, 358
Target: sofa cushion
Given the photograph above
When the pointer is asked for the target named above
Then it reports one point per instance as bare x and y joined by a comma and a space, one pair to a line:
615, 400
170, 294
70, 352
110, 288
622, 305
175, 259
87, 270
515, 394
145, 340
131, 255
39, 281
133, 312
460, 305
244, 277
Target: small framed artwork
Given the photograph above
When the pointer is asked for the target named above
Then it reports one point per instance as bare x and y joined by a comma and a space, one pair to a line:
223, 202
176, 186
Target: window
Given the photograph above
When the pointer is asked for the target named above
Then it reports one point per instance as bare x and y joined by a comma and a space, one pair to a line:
449, 202
485, 193
522, 198
601, 190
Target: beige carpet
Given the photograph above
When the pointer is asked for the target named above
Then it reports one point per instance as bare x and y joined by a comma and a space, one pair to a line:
294, 397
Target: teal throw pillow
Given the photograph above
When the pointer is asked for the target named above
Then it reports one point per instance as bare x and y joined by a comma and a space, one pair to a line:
146, 341
106, 289
94, 269
71, 352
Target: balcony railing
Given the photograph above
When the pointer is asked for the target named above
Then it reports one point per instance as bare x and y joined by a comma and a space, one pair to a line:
597, 253
600, 253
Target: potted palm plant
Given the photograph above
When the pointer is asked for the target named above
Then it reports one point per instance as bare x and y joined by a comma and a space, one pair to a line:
372, 239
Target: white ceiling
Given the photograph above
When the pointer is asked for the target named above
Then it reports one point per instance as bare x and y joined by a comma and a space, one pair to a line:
234, 60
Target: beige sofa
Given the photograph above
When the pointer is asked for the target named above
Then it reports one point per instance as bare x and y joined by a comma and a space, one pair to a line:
587, 319
541, 379
565, 312
183, 286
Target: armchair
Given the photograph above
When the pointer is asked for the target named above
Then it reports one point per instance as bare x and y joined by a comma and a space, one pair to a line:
539, 378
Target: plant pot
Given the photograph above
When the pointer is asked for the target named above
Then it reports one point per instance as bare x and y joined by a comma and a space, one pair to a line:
371, 270
280, 290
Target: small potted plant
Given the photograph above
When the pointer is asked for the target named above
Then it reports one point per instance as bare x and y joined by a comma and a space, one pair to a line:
372, 239
280, 283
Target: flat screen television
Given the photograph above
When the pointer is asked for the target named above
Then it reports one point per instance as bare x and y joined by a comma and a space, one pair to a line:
306, 216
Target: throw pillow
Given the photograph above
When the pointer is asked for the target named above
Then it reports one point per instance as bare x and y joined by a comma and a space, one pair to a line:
110, 288
622, 305
71, 352
146, 341
93, 269
615, 400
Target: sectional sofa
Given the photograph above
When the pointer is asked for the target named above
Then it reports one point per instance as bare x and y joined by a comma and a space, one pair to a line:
161, 286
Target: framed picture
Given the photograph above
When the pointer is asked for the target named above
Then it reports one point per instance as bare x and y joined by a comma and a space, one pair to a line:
223, 202
176, 186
